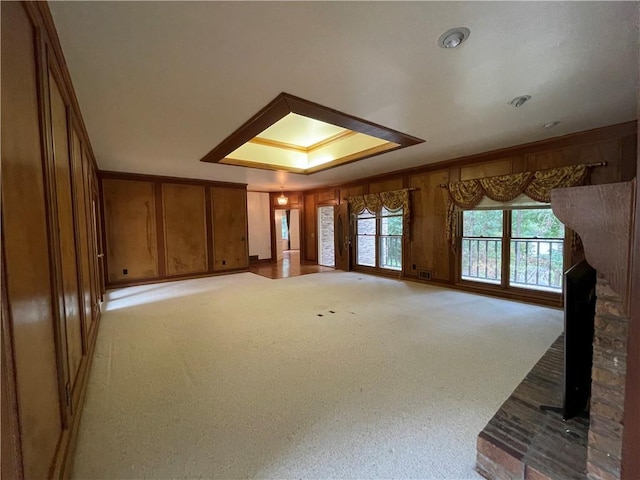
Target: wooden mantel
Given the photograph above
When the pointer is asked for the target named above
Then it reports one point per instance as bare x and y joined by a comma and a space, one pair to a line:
603, 217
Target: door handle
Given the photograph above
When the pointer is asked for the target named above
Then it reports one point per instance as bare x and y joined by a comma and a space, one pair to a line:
100, 255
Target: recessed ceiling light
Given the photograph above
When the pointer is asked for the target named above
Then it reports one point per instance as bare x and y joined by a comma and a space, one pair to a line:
453, 37
551, 124
519, 101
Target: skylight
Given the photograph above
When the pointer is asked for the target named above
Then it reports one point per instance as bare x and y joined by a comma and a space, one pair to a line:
299, 136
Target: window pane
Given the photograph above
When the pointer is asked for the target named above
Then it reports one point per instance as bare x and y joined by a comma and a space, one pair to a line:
366, 251
481, 260
482, 223
391, 226
535, 223
391, 252
366, 226
536, 264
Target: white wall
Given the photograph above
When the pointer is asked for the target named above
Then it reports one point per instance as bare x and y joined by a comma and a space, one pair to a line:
278, 230
259, 224
294, 230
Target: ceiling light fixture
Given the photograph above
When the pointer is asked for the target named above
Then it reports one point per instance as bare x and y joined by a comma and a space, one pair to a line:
453, 37
519, 101
282, 200
551, 124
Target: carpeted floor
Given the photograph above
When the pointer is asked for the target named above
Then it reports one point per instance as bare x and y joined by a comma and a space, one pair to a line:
331, 375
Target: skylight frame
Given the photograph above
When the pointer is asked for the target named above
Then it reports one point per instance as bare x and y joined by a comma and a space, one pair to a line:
285, 104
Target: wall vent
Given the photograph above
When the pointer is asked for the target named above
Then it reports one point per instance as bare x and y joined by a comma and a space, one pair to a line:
424, 274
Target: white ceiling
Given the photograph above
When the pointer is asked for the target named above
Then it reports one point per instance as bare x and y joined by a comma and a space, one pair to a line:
162, 83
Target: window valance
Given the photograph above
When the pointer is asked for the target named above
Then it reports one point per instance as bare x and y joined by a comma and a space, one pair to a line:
504, 188
373, 202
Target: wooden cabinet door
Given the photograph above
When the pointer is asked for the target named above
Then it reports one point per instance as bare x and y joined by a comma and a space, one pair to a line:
229, 214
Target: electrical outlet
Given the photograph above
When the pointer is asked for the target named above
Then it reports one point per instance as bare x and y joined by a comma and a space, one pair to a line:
224, 262
125, 271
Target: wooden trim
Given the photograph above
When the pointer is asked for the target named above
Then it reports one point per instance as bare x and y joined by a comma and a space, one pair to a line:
160, 230
208, 211
105, 251
332, 139
260, 261
51, 208
66, 463
284, 104
9, 368
106, 174
354, 157
76, 232
272, 223
260, 166
173, 278
601, 134
265, 142
329, 115
41, 17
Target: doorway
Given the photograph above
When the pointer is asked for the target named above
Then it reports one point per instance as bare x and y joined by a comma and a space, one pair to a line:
326, 240
287, 235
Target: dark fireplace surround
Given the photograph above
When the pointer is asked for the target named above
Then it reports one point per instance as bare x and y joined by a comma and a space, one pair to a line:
602, 217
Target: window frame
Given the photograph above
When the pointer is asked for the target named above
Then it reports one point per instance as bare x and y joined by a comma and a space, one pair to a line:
507, 238
378, 236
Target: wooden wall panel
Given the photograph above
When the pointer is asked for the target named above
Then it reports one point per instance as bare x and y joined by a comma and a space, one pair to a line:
26, 249
229, 212
185, 228
609, 151
488, 169
328, 197
310, 228
429, 248
386, 185
351, 191
130, 220
62, 162
82, 230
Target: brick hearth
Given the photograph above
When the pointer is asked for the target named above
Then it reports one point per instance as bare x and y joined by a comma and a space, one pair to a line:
523, 442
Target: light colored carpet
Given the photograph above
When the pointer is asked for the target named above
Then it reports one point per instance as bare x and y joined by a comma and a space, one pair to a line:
330, 375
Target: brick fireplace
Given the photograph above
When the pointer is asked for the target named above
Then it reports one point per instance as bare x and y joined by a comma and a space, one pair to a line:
521, 441
608, 376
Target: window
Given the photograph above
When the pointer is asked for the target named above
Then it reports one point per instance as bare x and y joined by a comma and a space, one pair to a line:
532, 259
379, 239
536, 250
482, 245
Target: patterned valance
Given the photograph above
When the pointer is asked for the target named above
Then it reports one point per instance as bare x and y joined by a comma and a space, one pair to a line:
373, 202
504, 188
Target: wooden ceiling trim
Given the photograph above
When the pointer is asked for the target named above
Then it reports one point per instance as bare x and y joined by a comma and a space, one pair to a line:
284, 104
332, 139
276, 144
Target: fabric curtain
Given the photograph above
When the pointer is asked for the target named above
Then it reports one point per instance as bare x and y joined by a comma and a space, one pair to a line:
537, 185
373, 203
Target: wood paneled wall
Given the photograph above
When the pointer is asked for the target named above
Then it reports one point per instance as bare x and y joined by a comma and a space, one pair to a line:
159, 228
50, 292
426, 247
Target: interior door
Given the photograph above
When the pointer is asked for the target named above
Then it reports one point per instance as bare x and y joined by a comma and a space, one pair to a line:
341, 236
